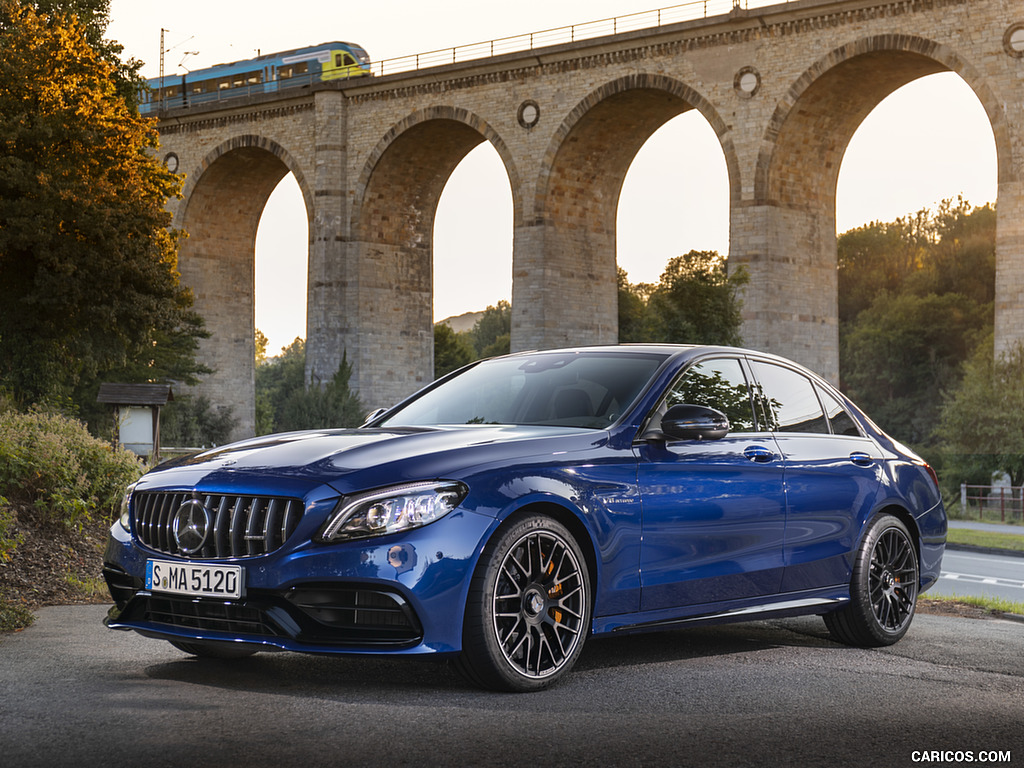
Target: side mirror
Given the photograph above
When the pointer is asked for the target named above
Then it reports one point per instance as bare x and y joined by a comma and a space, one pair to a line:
694, 422
373, 415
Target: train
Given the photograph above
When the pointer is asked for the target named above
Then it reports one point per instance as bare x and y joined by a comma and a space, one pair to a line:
268, 73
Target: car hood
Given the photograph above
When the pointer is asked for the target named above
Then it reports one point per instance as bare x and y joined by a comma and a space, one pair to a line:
355, 459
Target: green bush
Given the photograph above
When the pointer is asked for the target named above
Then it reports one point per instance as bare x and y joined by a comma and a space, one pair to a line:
51, 466
9, 540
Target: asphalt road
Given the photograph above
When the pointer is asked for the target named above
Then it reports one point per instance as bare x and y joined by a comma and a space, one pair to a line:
762, 694
982, 575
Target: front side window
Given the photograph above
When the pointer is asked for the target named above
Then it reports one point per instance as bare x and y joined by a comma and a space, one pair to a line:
718, 384
788, 400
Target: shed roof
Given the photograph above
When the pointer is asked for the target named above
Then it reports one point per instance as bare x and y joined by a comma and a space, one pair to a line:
135, 394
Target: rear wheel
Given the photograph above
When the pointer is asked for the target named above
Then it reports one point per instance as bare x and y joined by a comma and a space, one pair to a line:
214, 650
528, 611
883, 590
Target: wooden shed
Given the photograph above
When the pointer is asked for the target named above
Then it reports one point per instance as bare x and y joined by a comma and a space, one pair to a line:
137, 415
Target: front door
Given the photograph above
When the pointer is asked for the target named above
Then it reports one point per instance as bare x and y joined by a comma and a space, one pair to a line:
714, 511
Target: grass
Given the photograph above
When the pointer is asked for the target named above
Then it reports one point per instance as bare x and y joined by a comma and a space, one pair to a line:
993, 605
987, 539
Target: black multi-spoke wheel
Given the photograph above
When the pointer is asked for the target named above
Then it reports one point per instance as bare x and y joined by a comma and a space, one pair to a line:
883, 590
529, 607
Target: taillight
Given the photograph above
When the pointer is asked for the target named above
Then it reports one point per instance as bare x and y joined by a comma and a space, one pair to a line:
931, 473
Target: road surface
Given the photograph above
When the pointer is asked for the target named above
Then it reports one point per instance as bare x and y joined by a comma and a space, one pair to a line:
776, 693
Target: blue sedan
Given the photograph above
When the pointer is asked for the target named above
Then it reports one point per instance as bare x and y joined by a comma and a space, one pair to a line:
510, 510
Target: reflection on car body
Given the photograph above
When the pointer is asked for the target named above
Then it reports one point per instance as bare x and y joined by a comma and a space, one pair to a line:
510, 510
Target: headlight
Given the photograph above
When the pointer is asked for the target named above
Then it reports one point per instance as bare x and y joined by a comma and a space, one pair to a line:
125, 506
394, 509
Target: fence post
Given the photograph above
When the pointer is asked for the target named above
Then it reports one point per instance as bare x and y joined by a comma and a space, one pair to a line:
963, 497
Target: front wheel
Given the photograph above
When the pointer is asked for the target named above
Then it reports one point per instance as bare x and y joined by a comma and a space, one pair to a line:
883, 590
528, 610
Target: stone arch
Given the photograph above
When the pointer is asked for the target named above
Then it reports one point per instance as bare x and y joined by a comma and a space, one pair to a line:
791, 303
458, 129
571, 249
223, 199
830, 100
660, 98
391, 254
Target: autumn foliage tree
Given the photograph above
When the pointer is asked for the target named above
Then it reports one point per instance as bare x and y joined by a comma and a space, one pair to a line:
88, 266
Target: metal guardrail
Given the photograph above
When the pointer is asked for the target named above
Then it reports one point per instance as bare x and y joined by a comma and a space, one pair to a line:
993, 498
696, 9
691, 11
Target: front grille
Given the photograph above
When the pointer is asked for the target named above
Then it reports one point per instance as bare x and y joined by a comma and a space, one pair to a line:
237, 526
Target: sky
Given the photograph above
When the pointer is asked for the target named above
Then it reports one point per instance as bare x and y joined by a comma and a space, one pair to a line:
927, 142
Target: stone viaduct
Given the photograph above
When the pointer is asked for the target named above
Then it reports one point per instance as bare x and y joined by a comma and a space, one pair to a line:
784, 87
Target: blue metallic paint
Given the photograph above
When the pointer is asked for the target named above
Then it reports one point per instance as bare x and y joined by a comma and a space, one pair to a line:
674, 532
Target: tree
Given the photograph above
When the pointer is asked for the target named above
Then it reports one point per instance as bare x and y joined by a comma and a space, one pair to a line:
962, 256
87, 262
903, 352
94, 16
191, 421
329, 407
492, 333
278, 379
878, 257
283, 403
451, 350
982, 420
696, 301
632, 308
949, 251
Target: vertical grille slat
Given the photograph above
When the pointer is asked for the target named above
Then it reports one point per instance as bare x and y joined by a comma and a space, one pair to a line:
240, 526
269, 524
236, 533
289, 521
220, 528
253, 528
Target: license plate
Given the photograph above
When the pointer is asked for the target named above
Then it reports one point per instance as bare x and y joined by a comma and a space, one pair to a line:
196, 579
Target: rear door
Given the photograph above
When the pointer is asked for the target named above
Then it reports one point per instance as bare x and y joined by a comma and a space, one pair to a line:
832, 475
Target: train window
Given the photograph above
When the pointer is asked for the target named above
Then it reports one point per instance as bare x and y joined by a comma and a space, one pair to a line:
337, 60
349, 61
292, 70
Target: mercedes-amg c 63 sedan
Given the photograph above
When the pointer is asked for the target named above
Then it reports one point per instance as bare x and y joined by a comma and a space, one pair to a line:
512, 509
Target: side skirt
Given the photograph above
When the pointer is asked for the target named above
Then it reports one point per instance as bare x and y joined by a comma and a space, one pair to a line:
721, 614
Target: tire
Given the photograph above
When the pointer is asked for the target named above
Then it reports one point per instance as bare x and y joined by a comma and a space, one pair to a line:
528, 609
215, 650
883, 589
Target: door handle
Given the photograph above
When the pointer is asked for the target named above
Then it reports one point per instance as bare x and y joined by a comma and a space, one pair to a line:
861, 459
758, 453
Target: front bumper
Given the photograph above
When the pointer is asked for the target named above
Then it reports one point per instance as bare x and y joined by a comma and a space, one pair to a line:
403, 594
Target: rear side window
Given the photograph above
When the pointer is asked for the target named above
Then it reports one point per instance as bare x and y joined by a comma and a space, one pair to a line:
788, 400
841, 421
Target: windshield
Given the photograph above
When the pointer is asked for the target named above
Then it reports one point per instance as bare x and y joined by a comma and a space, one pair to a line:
588, 389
